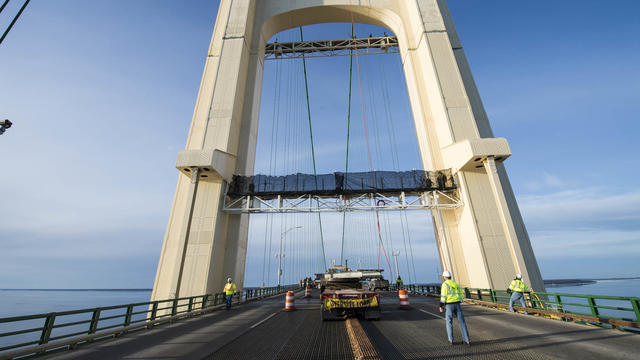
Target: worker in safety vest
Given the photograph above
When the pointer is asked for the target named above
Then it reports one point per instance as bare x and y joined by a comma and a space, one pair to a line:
399, 282
229, 290
517, 288
450, 298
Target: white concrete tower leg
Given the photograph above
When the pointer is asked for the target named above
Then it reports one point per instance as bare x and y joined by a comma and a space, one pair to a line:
453, 132
503, 210
441, 237
183, 240
221, 142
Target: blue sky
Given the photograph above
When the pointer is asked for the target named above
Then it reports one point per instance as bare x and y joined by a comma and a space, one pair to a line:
102, 94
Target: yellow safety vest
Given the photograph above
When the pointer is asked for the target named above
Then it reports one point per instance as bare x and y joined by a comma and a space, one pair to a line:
518, 285
450, 292
230, 289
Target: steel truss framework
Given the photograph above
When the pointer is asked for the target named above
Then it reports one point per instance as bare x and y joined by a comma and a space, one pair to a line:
321, 48
429, 200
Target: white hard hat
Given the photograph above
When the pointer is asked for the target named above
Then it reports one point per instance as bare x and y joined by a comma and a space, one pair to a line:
446, 274
518, 276
229, 280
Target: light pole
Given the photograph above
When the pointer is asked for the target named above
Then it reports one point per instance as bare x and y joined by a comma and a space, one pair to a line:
280, 255
395, 258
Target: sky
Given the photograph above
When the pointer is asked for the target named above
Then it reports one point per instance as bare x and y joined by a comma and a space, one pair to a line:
102, 93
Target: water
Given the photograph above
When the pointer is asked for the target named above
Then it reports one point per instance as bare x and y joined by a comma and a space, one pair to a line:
625, 288
27, 302
30, 302
629, 288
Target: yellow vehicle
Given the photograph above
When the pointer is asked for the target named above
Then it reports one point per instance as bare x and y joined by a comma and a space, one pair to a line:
343, 296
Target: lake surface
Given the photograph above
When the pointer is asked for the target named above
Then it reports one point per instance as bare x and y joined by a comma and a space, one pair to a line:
27, 302
630, 288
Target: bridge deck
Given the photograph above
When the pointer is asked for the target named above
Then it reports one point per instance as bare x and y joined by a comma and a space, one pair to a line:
261, 330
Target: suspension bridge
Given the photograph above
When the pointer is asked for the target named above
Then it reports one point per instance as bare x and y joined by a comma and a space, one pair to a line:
233, 168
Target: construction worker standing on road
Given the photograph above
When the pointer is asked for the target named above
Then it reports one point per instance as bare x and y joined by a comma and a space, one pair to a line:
399, 282
229, 290
517, 290
450, 298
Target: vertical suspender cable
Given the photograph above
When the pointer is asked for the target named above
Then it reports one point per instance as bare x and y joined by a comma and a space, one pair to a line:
346, 166
6, 32
366, 133
313, 153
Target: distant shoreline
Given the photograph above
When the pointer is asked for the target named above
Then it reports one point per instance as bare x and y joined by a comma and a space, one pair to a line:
549, 282
580, 282
76, 289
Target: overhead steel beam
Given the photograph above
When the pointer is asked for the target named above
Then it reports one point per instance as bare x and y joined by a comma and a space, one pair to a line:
321, 48
441, 200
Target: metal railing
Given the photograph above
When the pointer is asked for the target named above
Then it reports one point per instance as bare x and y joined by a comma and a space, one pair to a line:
426, 290
601, 310
101, 322
597, 309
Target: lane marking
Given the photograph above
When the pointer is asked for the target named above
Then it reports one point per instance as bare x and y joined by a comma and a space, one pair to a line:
430, 313
360, 344
263, 320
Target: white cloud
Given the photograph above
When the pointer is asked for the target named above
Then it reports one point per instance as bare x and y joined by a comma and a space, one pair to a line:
579, 243
587, 223
578, 206
545, 182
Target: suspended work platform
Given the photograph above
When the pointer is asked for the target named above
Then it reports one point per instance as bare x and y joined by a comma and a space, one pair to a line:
322, 48
340, 192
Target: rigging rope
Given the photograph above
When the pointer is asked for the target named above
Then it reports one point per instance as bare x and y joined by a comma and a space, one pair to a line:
313, 154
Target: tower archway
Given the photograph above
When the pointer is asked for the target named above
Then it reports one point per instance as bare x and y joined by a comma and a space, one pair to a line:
484, 241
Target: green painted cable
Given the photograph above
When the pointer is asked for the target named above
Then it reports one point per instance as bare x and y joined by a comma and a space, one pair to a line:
346, 166
313, 153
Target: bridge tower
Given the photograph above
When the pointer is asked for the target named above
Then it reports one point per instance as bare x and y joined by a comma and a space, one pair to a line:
484, 242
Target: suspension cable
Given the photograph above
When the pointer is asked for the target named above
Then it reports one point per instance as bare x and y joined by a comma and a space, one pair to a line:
346, 166
313, 153
6, 32
364, 119
3, 5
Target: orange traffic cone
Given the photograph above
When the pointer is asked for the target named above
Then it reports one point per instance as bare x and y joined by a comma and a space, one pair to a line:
404, 299
289, 302
307, 292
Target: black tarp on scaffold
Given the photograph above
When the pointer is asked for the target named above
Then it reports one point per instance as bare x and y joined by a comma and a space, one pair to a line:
340, 183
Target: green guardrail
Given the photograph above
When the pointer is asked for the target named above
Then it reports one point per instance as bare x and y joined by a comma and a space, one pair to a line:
607, 307
599, 307
418, 288
41, 329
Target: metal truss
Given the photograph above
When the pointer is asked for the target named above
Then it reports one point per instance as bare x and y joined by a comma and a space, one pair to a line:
363, 202
321, 48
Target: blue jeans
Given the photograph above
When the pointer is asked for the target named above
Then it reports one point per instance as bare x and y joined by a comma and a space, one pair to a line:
515, 296
229, 301
450, 311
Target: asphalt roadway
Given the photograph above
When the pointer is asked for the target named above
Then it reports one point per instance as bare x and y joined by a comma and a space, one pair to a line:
262, 330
